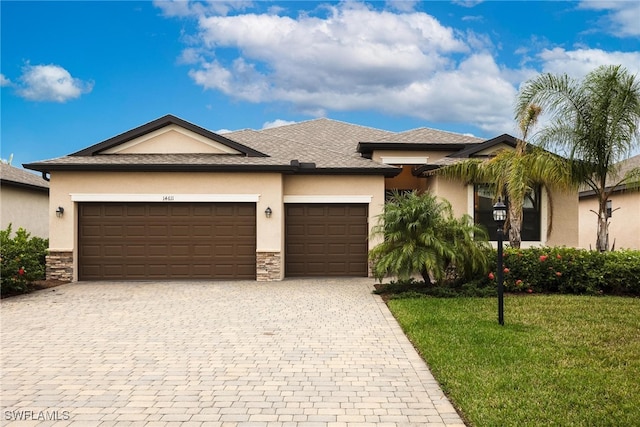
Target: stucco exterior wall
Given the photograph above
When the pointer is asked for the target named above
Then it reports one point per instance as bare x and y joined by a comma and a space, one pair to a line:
624, 224
564, 216
107, 186
452, 190
22, 207
271, 189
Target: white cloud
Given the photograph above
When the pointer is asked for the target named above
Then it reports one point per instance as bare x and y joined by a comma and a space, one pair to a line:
577, 63
348, 56
50, 83
623, 19
277, 123
4, 81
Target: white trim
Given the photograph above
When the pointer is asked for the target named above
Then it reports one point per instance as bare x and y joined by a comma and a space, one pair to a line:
164, 197
404, 160
328, 199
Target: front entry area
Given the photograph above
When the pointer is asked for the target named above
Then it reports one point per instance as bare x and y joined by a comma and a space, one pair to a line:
166, 241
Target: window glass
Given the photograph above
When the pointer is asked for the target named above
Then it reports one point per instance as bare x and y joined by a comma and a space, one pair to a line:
483, 212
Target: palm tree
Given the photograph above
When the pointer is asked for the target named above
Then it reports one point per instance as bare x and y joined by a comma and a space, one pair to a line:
422, 236
515, 173
596, 121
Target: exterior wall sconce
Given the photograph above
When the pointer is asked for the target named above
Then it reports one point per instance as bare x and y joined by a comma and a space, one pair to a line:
609, 209
268, 212
59, 211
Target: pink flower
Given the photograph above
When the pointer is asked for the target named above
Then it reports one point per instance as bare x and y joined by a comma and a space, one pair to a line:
530, 290
518, 282
506, 270
543, 258
491, 276
558, 273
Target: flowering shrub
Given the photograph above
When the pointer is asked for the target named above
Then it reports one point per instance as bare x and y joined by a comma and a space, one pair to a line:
22, 259
572, 271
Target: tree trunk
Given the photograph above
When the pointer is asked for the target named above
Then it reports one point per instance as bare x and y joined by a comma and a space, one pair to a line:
602, 239
426, 278
515, 225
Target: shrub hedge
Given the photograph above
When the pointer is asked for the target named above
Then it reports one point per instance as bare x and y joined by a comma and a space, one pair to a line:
22, 260
570, 271
559, 270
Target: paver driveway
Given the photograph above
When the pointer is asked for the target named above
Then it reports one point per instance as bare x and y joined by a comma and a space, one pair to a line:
292, 353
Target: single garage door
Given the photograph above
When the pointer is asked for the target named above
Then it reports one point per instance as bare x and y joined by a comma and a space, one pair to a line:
166, 241
326, 240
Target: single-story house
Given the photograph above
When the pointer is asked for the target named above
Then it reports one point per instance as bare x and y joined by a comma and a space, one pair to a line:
171, 200
624, 226
24, 201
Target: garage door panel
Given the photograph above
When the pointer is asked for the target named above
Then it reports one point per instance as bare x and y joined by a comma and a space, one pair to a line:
141, 241
326, 240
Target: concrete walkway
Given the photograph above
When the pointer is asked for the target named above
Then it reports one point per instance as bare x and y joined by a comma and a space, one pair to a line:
302, 353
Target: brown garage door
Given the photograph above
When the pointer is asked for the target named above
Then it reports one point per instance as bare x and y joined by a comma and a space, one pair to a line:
326, 240
164, 241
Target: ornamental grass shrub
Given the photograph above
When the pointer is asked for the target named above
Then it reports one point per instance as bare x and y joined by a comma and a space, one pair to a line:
22, 260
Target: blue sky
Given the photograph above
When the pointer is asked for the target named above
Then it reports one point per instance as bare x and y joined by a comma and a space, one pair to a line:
76, 73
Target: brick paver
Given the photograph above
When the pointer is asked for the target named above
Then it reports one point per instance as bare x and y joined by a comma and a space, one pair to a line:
301, 353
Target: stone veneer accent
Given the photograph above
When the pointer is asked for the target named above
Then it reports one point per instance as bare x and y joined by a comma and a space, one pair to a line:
60, 266
268, 266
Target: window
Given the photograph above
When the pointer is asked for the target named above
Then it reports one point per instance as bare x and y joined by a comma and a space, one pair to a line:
483, 196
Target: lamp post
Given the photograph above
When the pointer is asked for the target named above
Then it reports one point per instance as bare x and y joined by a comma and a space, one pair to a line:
500, 216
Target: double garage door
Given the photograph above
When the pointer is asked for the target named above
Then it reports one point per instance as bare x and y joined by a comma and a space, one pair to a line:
171, 241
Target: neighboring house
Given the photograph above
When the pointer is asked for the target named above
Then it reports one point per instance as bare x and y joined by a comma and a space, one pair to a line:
24, 200
624, 223
171, 200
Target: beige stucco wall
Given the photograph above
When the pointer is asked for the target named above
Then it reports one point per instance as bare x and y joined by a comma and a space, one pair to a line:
624, 224
271, 188
171, 139
565, 218
25, 208
104, 185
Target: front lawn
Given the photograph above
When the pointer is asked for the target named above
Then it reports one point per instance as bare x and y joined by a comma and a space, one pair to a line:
558, 360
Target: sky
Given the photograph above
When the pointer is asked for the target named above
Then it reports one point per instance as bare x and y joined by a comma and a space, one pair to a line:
75, 73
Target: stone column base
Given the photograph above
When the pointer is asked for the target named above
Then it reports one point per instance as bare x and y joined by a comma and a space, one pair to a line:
60, 266
268, 266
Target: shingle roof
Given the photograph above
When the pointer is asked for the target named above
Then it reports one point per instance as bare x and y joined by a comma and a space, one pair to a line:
320, 145
613, 179
431, 136
15, 176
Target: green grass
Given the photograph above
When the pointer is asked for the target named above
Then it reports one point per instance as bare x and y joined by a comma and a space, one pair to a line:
558, 361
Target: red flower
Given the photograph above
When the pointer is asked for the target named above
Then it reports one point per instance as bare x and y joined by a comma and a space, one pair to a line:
558, 273
559, 256
518, 282
506, 270
530, 290
491, 276
543, 258
21, 271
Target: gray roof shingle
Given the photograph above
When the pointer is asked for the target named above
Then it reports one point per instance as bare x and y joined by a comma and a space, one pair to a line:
15, 176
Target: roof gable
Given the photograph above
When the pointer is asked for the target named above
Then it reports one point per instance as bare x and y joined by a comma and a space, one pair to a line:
169, 135
488, 147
